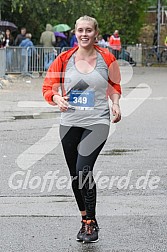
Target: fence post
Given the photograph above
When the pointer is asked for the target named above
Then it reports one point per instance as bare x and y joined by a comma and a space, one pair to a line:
2, 62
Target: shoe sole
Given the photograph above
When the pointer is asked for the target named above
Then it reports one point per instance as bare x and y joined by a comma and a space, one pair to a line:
79, 240
91, 241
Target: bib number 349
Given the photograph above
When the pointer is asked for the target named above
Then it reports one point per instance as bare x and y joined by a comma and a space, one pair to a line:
82, 99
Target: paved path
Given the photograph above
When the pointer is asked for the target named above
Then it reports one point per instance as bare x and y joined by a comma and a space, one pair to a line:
39, 213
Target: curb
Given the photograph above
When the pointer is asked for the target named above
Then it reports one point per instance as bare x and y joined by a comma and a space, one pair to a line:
42, 115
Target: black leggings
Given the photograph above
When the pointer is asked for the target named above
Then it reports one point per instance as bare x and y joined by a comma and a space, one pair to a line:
81, 148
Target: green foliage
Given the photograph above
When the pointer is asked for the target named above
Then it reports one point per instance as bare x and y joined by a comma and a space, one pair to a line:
127, 16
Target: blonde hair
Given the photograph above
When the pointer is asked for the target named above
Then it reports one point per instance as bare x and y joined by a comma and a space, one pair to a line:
87, 18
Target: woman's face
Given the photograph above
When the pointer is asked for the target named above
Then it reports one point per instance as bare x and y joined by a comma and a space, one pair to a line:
85, 33
7, 32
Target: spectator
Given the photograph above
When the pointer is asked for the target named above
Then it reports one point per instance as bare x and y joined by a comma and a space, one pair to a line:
61, 42
115, 43
67, 34
20, 37
17, 42
73, 39
101, 41
28, 50
8, 41
48, 40
107, 40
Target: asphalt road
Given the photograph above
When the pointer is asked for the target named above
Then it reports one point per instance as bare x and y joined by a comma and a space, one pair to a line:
37, 208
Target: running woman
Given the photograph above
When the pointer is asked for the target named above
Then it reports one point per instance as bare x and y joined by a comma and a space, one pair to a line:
79, 82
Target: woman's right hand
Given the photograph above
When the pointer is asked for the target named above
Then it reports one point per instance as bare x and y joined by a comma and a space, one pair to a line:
61, 102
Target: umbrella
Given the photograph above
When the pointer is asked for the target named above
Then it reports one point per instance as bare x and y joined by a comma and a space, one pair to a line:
7, 25
60, 34
61, 28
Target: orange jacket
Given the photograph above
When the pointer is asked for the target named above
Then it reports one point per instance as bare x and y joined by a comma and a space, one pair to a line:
55, 75
115, 43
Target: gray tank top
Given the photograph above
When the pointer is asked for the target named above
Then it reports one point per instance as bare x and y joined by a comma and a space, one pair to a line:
88, 103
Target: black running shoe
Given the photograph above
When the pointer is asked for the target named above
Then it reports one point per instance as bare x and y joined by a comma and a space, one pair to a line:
91, 233
97, 226
81, 231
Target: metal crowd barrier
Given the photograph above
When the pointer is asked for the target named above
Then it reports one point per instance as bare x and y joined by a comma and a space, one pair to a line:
65, 49
132, 54
31, 59
38, 59
2, 62
138, 55
129, 53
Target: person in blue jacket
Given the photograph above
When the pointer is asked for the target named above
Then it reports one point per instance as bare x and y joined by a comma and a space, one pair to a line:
73, 40
61, 42
27, 52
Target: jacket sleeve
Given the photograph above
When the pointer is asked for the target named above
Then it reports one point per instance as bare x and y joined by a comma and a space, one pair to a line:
51, 82
114, 79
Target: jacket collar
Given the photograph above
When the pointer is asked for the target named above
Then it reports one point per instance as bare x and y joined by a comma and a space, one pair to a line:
66, 55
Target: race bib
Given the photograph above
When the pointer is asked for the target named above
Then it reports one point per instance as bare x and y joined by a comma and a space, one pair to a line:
82, 99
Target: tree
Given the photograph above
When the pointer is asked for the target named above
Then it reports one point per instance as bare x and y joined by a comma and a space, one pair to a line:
127, 16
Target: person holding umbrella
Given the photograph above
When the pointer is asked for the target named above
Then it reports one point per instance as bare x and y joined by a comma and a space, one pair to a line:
6, 28
4, 25
61, 28
65, 29
87, 76
60, 40
73, 39
8, 42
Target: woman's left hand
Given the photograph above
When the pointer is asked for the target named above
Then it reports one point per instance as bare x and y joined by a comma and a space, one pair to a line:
116, 113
